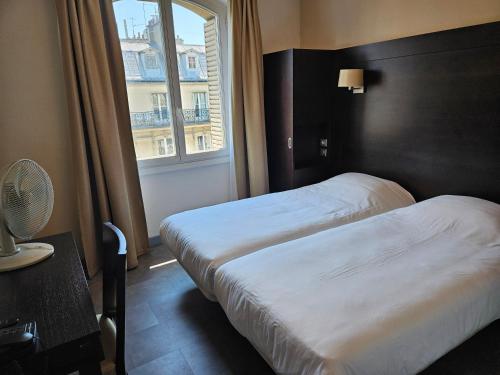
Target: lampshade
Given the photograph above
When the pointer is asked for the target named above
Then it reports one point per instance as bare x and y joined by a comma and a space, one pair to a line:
351, 78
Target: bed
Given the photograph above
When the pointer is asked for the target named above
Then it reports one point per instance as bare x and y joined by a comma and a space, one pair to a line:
204, 239
386, 295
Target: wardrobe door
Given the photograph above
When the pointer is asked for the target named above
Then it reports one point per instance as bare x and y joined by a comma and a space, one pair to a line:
313, 112
278, 103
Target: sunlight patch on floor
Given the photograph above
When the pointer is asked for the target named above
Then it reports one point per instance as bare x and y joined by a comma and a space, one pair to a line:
162, 264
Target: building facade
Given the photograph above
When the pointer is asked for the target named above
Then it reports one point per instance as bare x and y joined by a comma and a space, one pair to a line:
149, 99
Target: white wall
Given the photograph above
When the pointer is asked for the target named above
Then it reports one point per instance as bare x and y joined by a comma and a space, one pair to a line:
332, 24
183, 189
279, 24
33, 110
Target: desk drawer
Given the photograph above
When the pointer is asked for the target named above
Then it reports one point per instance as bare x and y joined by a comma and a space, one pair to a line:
72, 356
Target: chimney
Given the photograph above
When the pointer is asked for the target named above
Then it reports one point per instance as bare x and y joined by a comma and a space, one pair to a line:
125, 27
179, 40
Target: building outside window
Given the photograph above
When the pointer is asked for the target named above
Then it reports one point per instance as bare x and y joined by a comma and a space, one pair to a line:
170, 146
150, 61
180, 107
161, 146
160, 105
164, 146
200, 100
130, 63
201, 142
192, 62
200, 105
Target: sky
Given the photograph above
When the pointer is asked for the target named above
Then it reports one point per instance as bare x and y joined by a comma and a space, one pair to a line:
187, 25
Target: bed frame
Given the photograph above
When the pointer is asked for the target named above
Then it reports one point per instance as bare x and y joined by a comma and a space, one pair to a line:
430, 116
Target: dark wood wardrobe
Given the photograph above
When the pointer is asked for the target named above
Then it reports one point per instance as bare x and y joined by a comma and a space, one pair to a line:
429, 118
298, 92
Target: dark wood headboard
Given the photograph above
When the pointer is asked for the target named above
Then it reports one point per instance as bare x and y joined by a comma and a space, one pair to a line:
430, 117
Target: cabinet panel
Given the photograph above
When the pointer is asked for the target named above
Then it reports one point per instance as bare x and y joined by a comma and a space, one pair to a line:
278, 104
299, 106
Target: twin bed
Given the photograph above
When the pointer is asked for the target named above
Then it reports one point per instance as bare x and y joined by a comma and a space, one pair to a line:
204, 239
348, 276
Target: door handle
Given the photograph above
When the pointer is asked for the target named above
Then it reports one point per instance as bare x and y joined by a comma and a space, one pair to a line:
290, 143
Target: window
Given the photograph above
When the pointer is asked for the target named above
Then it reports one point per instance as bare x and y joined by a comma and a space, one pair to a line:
179, 114
130, 63
160, 106
161, 146
201, 111
201, 142
170, 146
192, 62
150, 61
200, 100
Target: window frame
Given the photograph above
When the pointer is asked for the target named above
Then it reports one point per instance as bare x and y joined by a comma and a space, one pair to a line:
197, 95
173, 85
193, 59
159, 141
148, 58
158, 106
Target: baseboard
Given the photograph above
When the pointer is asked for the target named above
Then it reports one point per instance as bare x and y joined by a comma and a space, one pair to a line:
154, 241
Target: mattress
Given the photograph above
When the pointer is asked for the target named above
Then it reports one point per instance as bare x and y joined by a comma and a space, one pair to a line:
205, 238
386, 295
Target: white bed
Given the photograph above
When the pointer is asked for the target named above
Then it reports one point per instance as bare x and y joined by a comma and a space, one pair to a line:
386, 295
205, 238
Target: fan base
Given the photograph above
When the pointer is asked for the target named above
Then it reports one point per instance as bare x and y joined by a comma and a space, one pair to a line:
28, 254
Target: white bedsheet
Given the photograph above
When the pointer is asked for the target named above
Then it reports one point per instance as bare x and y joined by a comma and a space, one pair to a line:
205, 238
386, 295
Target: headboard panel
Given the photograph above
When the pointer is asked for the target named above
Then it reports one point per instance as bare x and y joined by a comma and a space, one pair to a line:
430, 117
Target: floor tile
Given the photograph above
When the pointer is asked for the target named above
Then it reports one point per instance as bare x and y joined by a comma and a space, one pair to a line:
171, 363
207, 359
139, 317
147, 345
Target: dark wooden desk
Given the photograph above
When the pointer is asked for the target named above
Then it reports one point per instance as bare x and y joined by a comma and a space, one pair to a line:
55, 294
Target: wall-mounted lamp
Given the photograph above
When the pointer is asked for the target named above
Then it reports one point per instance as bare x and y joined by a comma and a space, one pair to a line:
353, 79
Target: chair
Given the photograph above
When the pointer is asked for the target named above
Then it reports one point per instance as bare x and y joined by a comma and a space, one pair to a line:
112, 319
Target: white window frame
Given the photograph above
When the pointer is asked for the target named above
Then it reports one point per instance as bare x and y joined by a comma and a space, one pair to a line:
173, 89
150, 55
170, 145
128, 58
204, 142
194, 60
197, 95
158, 105
157, 142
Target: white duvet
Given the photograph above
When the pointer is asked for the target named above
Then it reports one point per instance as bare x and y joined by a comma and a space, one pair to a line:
386, 295
205, 238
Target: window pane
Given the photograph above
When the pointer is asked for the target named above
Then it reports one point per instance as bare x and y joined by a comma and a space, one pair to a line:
141, 39
198, 61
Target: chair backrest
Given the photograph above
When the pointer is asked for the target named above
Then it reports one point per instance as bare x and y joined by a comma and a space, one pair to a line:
114, 273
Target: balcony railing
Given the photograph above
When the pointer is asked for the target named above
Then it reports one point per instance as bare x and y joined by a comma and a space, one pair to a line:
153, 119
162, 119
196, 116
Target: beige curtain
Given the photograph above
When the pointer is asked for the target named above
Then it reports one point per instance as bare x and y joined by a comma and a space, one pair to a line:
103, 152
247, 100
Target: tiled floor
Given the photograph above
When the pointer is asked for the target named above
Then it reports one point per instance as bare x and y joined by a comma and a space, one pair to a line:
173, 329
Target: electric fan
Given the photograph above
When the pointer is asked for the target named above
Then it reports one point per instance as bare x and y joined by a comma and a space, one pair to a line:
26, 201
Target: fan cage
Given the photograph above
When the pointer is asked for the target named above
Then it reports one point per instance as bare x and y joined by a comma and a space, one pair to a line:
27, 198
